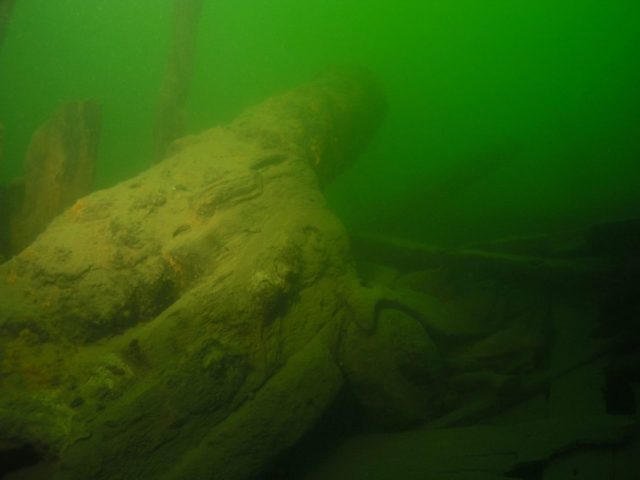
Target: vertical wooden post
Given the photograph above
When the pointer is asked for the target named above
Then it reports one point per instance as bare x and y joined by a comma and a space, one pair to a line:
171, 121
5, 13
1, 142
4, 210
6, 7
58, 168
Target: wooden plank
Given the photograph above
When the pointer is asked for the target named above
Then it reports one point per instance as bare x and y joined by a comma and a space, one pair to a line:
413, 256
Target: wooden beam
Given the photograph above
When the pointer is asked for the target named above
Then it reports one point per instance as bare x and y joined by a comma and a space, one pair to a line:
413, 256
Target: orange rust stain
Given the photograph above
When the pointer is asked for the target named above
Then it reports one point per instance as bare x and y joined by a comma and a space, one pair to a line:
78, 207
36, 365
176, 266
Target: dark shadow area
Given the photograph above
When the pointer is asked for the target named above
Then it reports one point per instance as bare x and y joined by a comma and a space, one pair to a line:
340, 421
18, 458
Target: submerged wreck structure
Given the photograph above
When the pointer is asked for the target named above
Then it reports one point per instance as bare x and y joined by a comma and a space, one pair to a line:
184, 323
202, 319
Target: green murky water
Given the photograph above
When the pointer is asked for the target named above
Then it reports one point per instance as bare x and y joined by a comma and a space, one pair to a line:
548, 89
505, 118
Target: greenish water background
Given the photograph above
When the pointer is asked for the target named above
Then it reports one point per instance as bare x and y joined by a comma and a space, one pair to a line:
550, 86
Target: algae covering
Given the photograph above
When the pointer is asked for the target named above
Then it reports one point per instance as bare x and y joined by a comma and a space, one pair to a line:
319, 239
